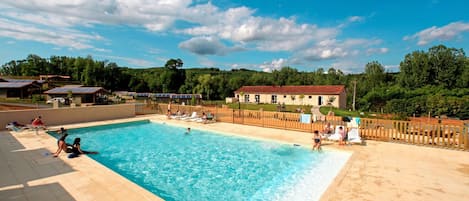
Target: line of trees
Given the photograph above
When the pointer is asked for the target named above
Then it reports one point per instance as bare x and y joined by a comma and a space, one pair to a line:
434, 82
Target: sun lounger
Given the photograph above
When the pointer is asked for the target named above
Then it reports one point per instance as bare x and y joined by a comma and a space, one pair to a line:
178, 116
354, 136
193, 116
336, 136
15, 128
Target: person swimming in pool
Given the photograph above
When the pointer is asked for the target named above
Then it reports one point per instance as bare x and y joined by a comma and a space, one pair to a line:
188, 130
317, 140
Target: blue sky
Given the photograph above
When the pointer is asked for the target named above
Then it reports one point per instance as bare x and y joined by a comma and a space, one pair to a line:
256, 34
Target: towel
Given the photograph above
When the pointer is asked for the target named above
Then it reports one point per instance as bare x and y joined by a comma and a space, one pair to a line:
358, 120
305, 118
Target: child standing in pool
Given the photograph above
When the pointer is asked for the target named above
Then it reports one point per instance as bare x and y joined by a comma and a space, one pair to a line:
317, 140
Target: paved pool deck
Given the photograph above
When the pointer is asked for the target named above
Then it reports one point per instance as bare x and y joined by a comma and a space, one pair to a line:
375, 171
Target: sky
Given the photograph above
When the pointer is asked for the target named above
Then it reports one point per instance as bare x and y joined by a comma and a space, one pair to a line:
261, 35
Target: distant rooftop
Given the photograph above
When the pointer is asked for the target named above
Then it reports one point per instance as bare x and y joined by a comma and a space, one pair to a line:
14, 84
74, 90
42, 77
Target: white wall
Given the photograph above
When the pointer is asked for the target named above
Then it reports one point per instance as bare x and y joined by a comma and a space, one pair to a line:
286, 98
68, 115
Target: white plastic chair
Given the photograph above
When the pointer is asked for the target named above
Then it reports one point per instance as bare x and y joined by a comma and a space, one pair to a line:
336, 136
193, 116
354, 136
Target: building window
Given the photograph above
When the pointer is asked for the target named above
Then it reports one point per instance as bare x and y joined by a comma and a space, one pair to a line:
274, 99
310, 97
246, 98
284, 96
258, 98
319, 100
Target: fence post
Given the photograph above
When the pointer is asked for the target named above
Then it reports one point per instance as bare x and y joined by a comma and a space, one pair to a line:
242, 119
466, 137
262, 117
284, 120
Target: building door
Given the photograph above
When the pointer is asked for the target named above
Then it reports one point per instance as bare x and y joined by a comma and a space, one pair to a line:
258, 98
319, 100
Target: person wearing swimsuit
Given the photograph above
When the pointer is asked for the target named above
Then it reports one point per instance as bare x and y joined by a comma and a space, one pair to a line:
317, 140
76, 150
61, 145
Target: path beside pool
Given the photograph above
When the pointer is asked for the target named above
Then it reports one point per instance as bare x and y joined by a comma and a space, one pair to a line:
377, 171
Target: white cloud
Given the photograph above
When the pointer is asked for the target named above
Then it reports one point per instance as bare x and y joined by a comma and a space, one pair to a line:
333, 49
207, 46
356, 19
241, 26
154, 15
275, 64
348, 66
132, 61
58, 37
213, 31
205, 62
101, 50
445, 33
381, 50
392, 68
238, 25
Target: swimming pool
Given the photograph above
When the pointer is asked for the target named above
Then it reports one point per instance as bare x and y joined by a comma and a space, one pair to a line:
205, 165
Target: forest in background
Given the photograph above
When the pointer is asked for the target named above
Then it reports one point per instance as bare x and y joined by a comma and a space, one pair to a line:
434, 82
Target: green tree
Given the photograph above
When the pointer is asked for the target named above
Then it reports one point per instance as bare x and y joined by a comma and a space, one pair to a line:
174, 64
374, 74
204, 86
447, 63
415, 70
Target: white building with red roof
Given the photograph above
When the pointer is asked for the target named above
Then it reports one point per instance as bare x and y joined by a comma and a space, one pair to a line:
314, 95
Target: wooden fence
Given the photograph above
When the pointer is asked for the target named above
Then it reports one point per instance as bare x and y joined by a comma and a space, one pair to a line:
417, 133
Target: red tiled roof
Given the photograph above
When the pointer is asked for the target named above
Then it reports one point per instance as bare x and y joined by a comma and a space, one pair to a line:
310, 89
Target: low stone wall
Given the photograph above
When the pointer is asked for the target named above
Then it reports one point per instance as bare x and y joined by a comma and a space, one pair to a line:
67, 115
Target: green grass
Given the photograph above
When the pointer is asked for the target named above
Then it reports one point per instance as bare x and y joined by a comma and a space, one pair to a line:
17, 100
345, 113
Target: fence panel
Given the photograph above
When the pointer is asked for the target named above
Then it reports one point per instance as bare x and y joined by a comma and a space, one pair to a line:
437, 134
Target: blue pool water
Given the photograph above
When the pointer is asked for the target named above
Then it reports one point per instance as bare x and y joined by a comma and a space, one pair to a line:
204, 165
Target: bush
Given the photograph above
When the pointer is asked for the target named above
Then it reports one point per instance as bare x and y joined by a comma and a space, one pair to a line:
38, 98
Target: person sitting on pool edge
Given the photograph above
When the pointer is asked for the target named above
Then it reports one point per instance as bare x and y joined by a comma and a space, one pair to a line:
317, 140
61, 144
76, 150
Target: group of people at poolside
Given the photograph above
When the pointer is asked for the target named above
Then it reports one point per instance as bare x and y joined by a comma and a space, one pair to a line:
317, 136
36, 123
74, 149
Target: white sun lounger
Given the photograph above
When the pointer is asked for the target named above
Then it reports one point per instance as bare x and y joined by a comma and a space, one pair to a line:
354, 136
336, 136
15, 128
193, 116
